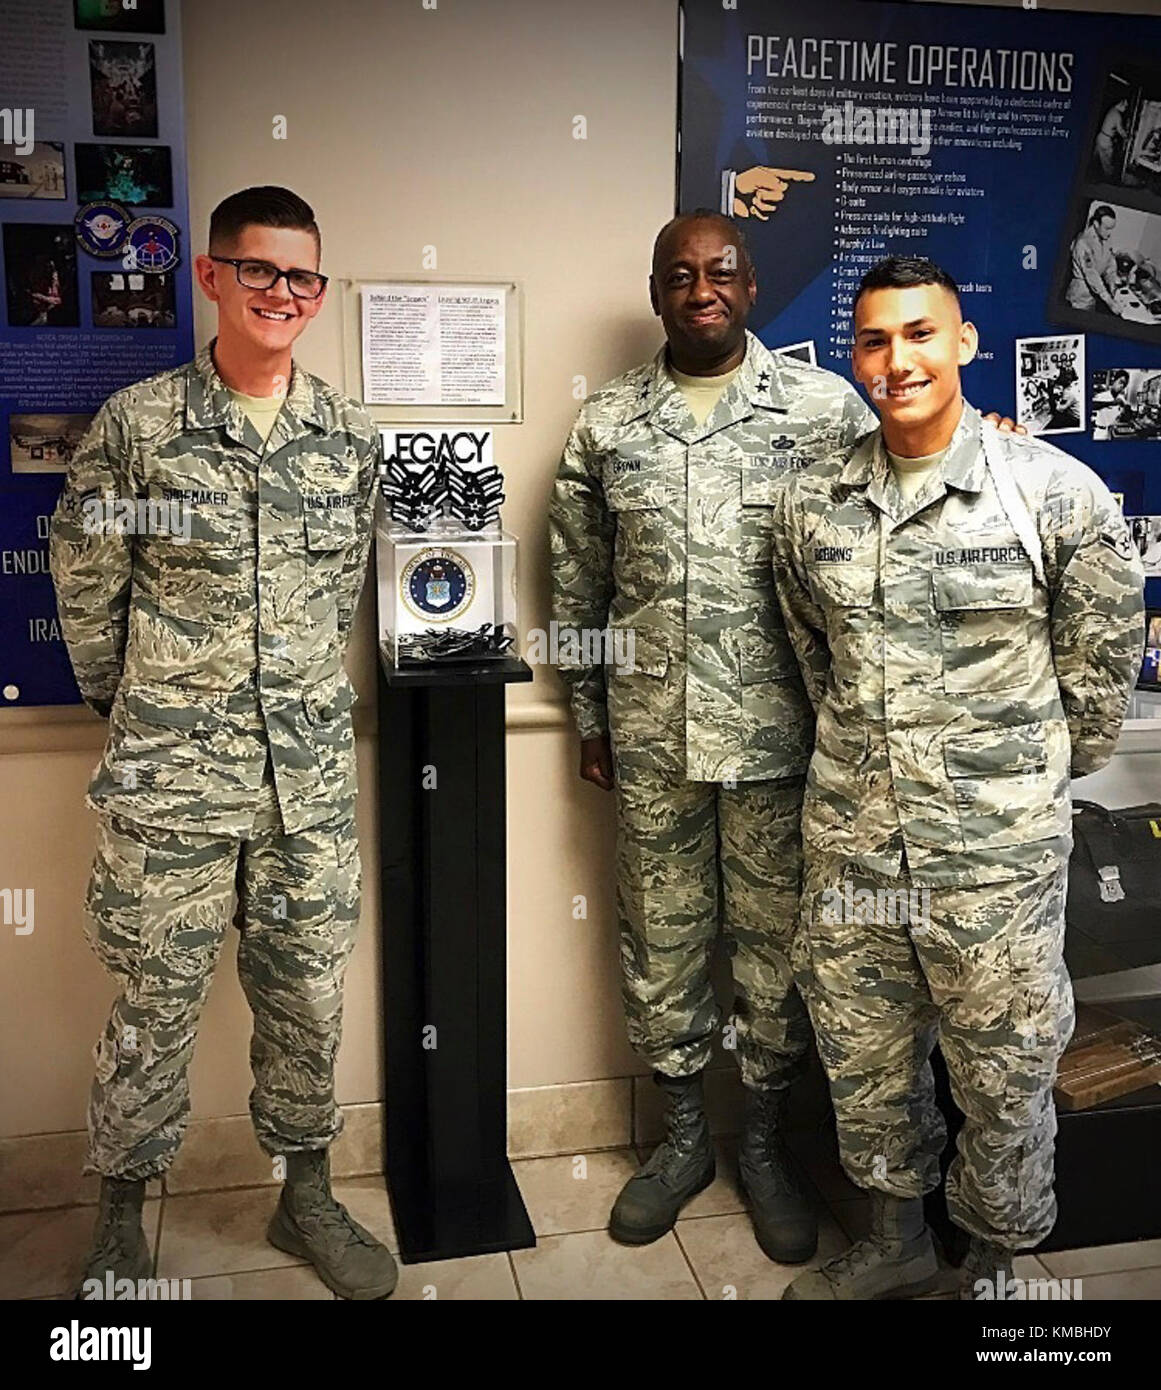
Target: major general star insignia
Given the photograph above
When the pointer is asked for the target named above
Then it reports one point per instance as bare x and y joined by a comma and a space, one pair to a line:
763, 381
1119, 542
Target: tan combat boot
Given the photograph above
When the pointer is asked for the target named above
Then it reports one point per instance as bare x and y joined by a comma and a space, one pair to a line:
119, 1248
308, 1222
897, 1260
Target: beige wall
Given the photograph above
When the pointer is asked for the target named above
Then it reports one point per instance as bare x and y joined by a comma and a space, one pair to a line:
407, 128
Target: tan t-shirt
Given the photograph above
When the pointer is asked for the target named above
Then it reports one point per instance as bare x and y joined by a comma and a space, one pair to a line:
911, 474
702, 393
261, 411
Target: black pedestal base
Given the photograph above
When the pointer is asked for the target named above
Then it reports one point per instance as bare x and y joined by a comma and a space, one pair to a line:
444, 870
440, 1228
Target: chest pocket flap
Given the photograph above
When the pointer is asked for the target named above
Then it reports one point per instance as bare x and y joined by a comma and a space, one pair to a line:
634, 484
330, 528
845, 584
1008, 586
760, 483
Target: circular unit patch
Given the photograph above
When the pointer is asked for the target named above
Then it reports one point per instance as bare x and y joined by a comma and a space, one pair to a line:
101, 228
151, 245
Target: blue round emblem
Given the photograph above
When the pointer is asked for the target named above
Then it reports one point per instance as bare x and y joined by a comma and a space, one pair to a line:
151, 245
101, 228
437, 585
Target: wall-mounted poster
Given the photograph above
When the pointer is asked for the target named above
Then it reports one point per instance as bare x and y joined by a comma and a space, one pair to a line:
93, 105
1018, 147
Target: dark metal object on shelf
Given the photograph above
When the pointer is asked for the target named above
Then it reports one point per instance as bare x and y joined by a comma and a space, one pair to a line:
455, 643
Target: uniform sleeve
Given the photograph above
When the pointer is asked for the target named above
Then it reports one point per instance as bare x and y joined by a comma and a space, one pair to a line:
92, 560
1097, 585
354, 568
804, 620
581, 533
857, 419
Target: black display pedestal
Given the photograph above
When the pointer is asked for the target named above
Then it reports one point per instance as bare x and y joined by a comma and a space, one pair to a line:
442, 842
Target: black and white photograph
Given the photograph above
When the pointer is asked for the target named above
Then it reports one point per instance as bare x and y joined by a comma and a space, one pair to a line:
123, 77
133, 175
130, 299
1126, 150
38, 174
1126, 403
40, 276
1110, 278
1050, 384
1146, 534
143, 17
44, 443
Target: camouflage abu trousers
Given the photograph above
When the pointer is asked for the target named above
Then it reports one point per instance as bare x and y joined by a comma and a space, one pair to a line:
693, 856
981, 970
157, 911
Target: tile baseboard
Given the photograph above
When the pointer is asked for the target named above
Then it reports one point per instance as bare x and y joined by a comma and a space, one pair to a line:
43, 1171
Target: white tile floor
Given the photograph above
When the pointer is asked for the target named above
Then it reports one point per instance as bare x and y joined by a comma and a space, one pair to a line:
217, 1240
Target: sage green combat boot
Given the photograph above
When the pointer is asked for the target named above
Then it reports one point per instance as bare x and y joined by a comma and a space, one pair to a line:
678, 1169
985, 1261
119, 1248
785, 1225
308, 1222
897, 1260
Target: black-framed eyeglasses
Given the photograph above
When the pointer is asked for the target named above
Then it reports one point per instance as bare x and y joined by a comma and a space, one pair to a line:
261, 275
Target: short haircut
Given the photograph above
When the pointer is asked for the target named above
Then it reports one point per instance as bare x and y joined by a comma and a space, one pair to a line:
264, 206
905, 273
1103, 211
737, 236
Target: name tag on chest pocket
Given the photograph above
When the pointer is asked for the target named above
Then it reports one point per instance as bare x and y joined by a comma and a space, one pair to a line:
843, 584
204, 572
634, 485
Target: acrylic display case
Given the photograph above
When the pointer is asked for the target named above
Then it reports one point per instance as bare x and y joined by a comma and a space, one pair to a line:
446, 594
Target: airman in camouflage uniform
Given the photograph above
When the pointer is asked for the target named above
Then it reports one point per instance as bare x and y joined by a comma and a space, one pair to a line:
966, 651
661, 527
206, 671
215, 647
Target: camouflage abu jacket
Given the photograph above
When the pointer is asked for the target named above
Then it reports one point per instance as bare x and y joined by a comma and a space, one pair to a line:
662, 527
965, 652
210, 647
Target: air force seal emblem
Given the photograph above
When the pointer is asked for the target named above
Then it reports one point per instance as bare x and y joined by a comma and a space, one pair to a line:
437, 584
